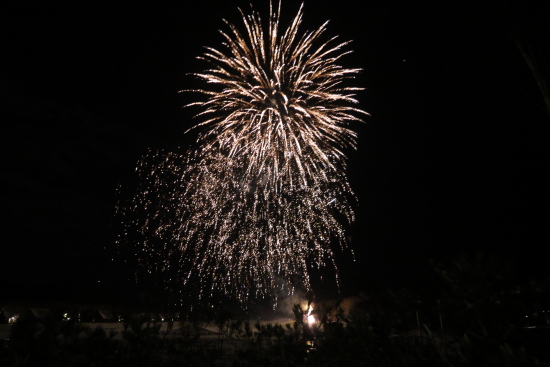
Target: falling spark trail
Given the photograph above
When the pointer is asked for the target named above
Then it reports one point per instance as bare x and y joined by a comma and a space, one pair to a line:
265, 194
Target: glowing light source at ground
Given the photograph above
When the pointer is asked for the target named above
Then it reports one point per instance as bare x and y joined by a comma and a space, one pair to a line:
310, 318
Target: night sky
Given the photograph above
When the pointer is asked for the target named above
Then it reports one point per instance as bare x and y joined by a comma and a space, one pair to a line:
454, 157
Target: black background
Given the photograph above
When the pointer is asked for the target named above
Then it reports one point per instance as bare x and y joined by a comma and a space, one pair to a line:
453, 159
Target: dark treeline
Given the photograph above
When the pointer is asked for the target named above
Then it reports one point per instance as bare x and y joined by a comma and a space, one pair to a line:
478, 314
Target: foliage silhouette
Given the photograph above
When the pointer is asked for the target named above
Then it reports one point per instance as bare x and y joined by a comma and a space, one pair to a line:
476, 318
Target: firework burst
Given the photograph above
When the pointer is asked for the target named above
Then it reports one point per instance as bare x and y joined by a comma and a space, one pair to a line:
265, 195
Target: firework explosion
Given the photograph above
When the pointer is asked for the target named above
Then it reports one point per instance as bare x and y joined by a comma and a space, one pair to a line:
265, 195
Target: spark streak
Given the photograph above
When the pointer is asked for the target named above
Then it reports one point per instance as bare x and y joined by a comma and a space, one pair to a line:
265, 194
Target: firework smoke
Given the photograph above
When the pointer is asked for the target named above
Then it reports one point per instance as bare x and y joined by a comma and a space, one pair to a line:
265, 194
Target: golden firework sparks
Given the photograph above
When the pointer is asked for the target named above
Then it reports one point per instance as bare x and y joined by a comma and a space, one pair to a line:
264, 195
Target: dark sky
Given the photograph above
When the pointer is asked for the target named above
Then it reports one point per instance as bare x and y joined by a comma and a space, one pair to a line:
453, 158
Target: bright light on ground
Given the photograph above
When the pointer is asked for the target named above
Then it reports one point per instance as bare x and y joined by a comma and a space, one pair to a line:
310, 317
